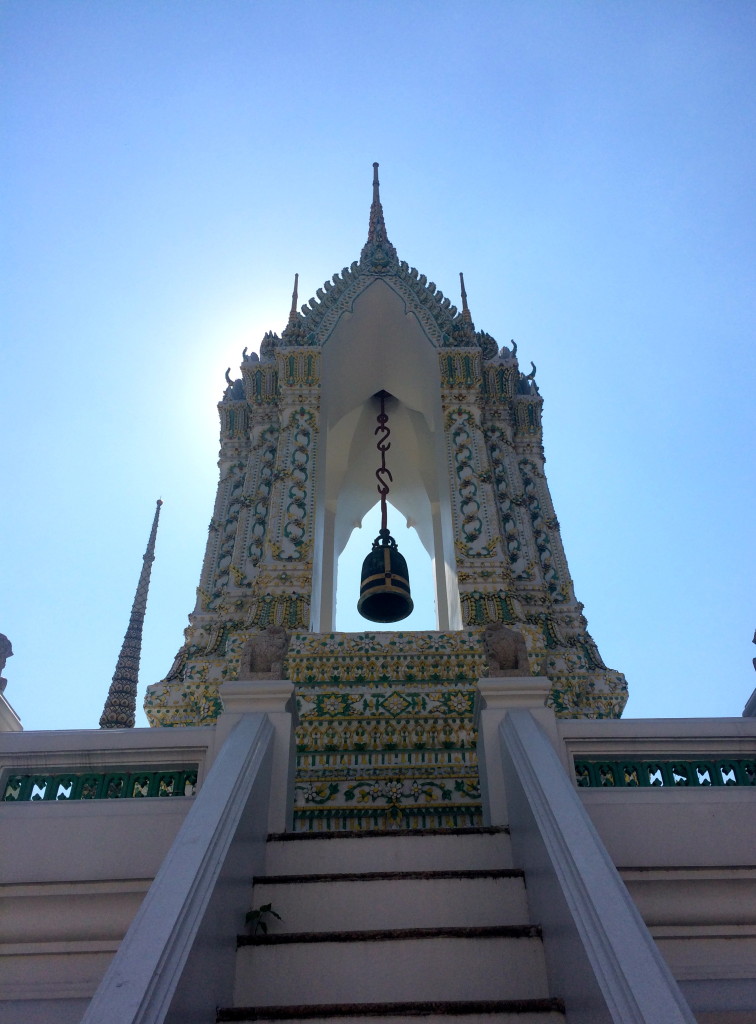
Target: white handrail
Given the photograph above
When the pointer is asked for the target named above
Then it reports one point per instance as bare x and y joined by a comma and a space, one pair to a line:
600, 956
176, 962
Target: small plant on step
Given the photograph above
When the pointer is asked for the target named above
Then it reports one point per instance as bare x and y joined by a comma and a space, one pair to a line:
255, 919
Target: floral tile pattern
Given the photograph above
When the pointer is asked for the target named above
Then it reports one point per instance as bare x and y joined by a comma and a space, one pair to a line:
386, 736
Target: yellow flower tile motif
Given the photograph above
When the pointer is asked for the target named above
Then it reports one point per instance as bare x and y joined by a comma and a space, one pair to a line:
386, 737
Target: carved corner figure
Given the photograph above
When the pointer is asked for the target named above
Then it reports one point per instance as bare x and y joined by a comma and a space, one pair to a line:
6, 651
263, 654
506, 650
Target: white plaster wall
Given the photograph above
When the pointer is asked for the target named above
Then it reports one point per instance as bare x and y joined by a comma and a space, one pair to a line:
671, 828
74, 876
74, 873
687, 855
96, 748
658, 736
89, 840
664, 826
85, 840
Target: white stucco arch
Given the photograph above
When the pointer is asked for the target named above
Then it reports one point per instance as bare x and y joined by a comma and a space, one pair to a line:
379, 344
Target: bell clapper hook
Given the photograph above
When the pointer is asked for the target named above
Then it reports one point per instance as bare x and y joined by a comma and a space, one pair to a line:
384, 587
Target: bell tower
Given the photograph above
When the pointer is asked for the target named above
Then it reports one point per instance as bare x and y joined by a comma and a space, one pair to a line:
383, 712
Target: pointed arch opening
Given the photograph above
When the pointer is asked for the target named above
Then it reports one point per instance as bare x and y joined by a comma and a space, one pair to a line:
379, 345
419, 563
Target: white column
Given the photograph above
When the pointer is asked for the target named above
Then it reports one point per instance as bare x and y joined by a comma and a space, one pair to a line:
496, 696
9, 720
275, 698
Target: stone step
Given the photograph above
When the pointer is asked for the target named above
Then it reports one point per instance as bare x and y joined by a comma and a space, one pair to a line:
413, 965
300, 853
386, 899
519, 1011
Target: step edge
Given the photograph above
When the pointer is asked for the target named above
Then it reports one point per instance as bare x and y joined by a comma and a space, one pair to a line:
407, 1009
462, 830
504, 931
390, 876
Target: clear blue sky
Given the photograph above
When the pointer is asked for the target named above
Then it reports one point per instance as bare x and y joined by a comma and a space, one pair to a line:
167, 167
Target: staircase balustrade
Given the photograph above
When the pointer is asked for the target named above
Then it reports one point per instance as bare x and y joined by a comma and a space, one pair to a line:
600, 956
176, 962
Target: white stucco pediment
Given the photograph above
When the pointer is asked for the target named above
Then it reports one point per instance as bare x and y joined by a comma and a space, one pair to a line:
377, 343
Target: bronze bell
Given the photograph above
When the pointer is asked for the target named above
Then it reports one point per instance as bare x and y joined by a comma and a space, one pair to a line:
384, 587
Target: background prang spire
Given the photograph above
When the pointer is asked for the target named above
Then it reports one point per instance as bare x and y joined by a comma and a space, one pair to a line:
294, 299
120, 706
465, 307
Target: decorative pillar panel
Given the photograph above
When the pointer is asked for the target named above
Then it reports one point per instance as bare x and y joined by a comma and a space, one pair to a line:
543, 524
480, 537
284, 586
250, 536
293, 488
517, 554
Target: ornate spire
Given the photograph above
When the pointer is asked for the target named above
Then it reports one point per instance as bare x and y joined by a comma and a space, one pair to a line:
465, 310
294, 298
377, 248
120, 705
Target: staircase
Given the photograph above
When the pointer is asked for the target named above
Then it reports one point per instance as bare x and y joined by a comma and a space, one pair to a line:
396, 925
